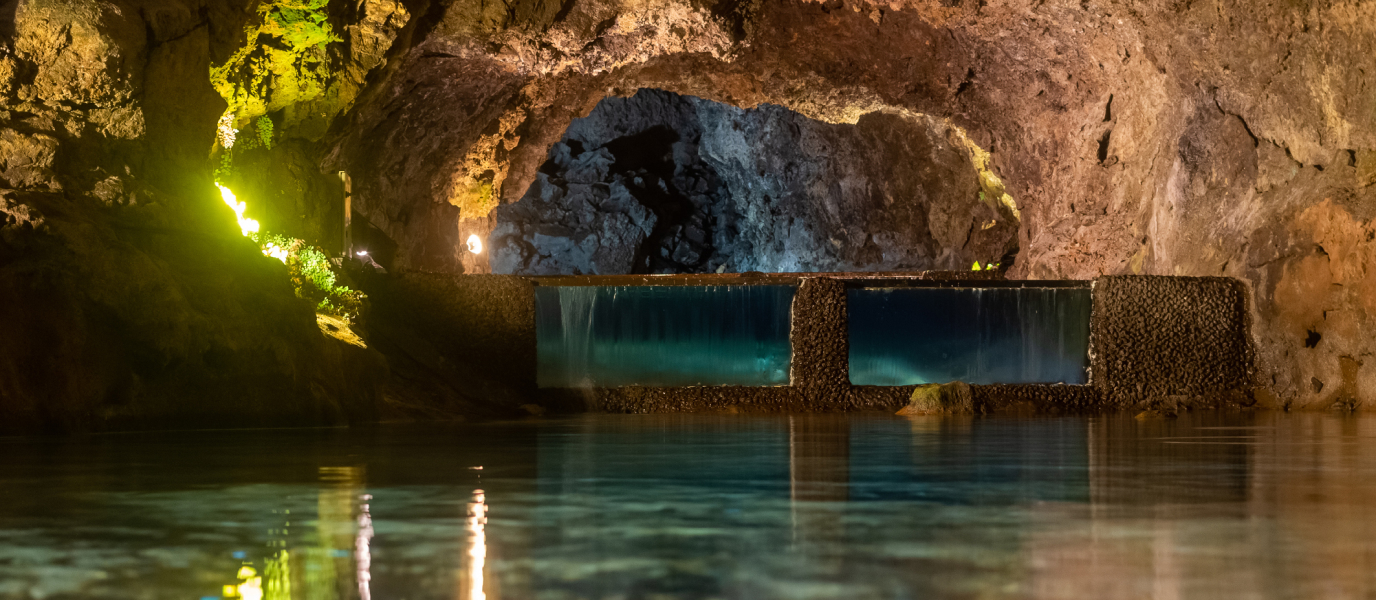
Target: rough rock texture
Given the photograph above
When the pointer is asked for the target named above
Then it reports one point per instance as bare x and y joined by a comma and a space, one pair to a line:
129, 298
1133, 136
1231, 138
577, 224
1155, 337
820, 362
1033, 399
283, 183
662, 183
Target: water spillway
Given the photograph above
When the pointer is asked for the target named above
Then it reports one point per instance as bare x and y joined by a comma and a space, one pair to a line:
908, 336
819, 342
661, 336
671, 335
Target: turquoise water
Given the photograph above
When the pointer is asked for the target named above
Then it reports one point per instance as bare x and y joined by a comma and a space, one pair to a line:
679, 507
611, 336
909, 336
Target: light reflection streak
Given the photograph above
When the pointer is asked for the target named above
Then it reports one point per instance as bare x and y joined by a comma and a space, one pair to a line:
477, 545
362, 548
252, 586
319, 570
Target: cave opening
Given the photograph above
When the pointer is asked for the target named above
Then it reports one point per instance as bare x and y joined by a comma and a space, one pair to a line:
662, 183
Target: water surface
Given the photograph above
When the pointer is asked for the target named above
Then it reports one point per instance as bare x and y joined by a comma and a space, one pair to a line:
668, 507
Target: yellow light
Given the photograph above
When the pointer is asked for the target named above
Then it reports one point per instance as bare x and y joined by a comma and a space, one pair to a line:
477, 545
246, 225
475, 244
976, 267
251, 589
276, 252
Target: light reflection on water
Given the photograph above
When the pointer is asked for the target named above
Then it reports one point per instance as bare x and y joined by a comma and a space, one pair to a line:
477, 546
642, 507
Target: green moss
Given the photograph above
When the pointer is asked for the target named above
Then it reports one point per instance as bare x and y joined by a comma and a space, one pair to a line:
301, 23
312, 277
226, 168
265, 131
282, 61
477, 201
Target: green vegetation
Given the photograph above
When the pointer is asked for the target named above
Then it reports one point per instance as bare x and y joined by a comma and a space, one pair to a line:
226, 168
282, 62
312, 277
265, 131
309, 268
301, 23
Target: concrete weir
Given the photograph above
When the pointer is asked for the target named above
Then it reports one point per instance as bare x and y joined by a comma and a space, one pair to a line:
1151, 339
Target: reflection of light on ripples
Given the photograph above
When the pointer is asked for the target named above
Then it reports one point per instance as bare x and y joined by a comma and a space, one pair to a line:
362, 551
252, 586
477, 545
318, 570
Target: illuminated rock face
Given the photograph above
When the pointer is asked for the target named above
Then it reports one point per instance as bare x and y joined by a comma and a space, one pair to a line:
1149, 137
1232, 138
662, 183
130, 298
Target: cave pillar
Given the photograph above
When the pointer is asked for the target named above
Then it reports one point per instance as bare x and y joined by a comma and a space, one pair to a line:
820, 365
1156, 337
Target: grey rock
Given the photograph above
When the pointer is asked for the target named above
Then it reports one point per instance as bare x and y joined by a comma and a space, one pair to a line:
762, 189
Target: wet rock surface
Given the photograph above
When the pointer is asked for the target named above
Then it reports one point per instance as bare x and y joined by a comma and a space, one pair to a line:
940, 399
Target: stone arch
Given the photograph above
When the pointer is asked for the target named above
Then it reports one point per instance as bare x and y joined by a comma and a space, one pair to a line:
664, 183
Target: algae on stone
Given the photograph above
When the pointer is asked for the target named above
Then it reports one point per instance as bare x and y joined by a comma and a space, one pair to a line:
940, 399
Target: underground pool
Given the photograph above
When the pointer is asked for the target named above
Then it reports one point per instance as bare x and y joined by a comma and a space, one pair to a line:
1263, 505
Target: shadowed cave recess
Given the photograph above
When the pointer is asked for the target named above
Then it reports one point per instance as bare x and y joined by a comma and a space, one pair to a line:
1058, 140
662, 183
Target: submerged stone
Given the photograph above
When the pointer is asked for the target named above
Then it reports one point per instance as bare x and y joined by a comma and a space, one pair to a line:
940, 399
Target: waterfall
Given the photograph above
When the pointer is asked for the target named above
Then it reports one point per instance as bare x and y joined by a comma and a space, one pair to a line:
610, 336
905, 336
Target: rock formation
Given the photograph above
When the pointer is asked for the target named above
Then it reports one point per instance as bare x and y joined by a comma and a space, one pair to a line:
1130, 136
1147, 137
705, 187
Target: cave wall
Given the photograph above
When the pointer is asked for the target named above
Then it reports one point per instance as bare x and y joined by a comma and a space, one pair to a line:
457, 346
128, 297
662, 183
1225, 138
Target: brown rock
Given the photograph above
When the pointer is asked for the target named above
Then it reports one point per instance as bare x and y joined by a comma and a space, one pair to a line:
1366, 167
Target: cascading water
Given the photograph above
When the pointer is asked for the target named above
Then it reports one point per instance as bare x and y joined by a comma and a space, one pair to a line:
659, 336
907, 336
